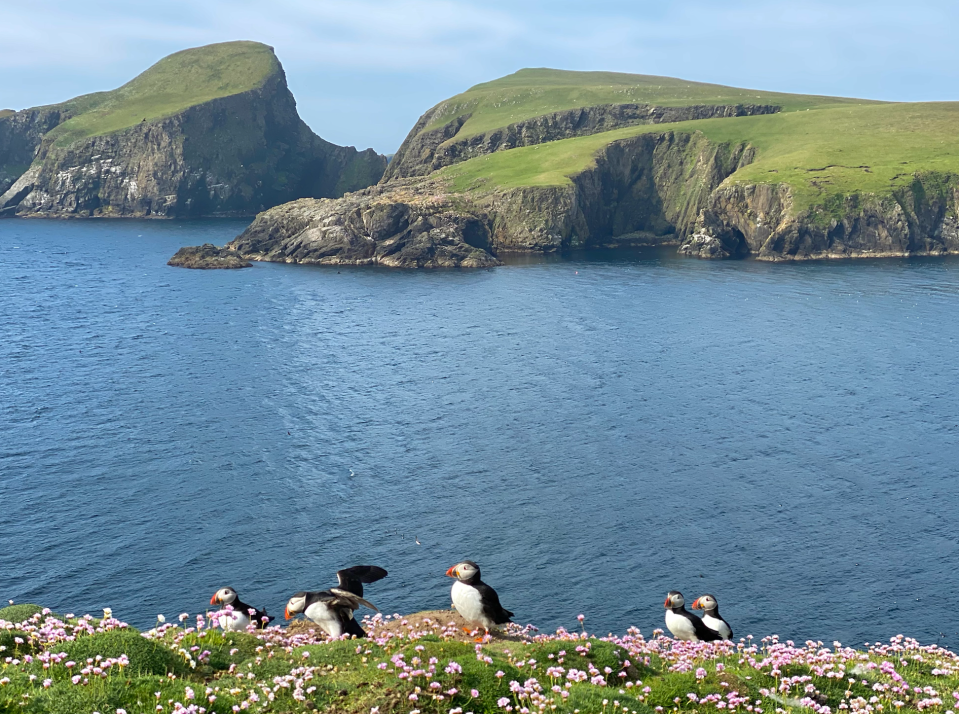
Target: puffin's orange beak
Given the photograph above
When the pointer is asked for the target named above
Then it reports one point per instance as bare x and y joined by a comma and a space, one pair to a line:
452, 572
286, 611
215, 600
696, 604
666, 604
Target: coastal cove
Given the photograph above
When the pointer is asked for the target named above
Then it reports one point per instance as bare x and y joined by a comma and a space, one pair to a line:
594, 428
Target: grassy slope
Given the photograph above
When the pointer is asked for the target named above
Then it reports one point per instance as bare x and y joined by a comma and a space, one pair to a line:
173, 84
825, 148
6, 113
534, 92
430, 671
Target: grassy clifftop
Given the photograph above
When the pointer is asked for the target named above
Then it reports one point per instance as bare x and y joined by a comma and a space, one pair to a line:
530, 93
820, 146
175, 83
422, 665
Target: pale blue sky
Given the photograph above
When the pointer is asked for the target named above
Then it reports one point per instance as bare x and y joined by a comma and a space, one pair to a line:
362, 71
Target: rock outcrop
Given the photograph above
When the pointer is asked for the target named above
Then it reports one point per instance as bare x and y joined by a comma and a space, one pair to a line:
920, 219
426, 151
208, 257
234, 155
390, 226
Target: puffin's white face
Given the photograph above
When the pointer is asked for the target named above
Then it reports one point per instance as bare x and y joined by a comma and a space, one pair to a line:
223, 596
674, 599
706, 602
296, 605
463, 571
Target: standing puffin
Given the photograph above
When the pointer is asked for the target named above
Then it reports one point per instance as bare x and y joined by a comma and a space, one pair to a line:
683, 624
711, 617
240, 618
476, 601
331, 609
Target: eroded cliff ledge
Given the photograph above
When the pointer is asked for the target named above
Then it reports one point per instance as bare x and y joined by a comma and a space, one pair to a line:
426, 151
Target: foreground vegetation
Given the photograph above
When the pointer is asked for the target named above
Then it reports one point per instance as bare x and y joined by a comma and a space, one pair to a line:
83, 664
175, 83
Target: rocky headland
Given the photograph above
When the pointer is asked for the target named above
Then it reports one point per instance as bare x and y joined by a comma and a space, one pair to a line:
208, 257
703, 177
177, 141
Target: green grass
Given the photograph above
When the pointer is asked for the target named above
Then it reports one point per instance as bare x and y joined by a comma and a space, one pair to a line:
173, 84
82, 670
6, 113
533, 92
829, 150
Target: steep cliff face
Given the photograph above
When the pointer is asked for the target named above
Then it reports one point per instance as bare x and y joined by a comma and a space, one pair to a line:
20, 136
920, 219
646, 190
426, 151
229, 156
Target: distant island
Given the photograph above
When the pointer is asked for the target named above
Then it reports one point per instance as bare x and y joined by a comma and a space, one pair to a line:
542, 160
211, 131
548, 160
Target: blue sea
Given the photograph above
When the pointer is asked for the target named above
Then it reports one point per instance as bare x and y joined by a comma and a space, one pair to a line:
594, 429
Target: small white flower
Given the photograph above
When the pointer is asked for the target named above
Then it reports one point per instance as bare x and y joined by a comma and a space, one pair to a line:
161, 619
107, 613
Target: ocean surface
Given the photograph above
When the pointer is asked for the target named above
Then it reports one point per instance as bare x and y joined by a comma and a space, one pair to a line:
594, 430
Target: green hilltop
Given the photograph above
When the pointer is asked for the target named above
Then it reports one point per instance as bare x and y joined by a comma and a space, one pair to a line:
175, 83
530, 93
820, 146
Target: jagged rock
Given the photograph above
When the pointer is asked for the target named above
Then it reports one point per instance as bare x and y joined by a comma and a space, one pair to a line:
392, 226
701, 245
206, 257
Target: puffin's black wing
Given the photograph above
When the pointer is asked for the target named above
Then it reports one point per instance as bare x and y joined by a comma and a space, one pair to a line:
497, 613
257, 616
352, 579
702, 632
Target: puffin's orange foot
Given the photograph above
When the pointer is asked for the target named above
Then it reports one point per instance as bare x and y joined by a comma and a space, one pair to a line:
467, 630
479, 639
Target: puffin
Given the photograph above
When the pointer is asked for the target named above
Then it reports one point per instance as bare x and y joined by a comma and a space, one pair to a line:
682, 623
331, 609
476, 601
711, 617
239, 619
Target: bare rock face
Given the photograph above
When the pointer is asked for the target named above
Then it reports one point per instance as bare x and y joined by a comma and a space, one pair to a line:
392, 226
206, 257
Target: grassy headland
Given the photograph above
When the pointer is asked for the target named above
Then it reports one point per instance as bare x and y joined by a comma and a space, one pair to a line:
175, 83
66, 665
820, 146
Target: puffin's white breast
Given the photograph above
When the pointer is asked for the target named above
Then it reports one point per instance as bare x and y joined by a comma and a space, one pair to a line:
235, 621
681, 627
469, 604
717, 625
326, 618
